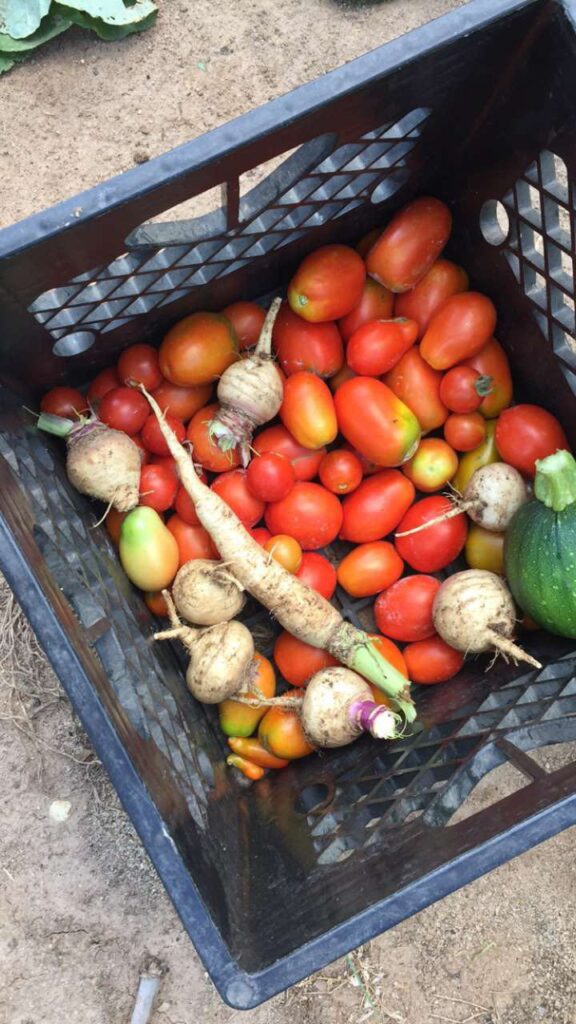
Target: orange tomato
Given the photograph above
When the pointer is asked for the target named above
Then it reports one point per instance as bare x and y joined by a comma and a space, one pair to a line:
465, 431
370, 568
328, 284
248, 768
432, 661
376, 303
422, 302
238, 719
411, 243
247, 319
281, 732
492, 361
307, 410
285, 550
255, 752
460, 328
376, 422
418, 386
198, 349
298, 661
379, 344
204, 450
181, 403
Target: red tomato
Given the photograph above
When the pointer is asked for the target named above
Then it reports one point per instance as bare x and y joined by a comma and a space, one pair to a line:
168, 461
270, 477
367, 241
340, 471
260, 534
300, 345
247, 319
181, 402
66, 402
433, 465
328, 284
368, 467
376, 507
139, 364
432, 661
310, 514
277, 439
340, 378
418, 386
144, 453
317, 573
492, 361
204, 450
285, 550
388, 649
370, 568
307, 410
193, 541
376, 303
152, 438
156, 603
404, 611
103, 382
157, 487
462, 389
184, 506
465, 431
422, 302
124, 409
298, 661
459, 329
114, 520
408, 247
379, 344
197, 350
432, 549
233, 488
376, 422
526, 433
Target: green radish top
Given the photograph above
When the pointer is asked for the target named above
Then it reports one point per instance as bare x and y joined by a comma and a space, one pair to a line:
555, 482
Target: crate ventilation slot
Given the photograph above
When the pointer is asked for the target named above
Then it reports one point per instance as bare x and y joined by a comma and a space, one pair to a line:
318, 183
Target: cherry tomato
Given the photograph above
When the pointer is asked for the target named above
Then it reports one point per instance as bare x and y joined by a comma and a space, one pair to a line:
375, 421
418, 386
193, 541
105, 381
285, 550
492, 361
370, 568
526, 433
462, 389
434, 464
114, 520
247, 319
298, 661
404, 610
184, 507
408, 247
432, 661
340, 471
260, 534
233, 488
434, 548
305, 462
152, 438
376, 507
465, 431
443, 280
307, 410
204, 450
156, 603
197, 350
139, 364
317, 573
485, 549
270, 477
376, 303
388, 649
310, 514
484, 455
66, 402
124, 409
328, 284
281, 732
460, 328
379, 344
181, 402
300, 345
157, 487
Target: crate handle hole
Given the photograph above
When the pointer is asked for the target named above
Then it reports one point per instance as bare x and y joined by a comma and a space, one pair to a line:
74, 344
494, 222
314, 798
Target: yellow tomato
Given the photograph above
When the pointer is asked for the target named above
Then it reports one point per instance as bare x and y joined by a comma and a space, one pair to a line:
485, 549
484, 455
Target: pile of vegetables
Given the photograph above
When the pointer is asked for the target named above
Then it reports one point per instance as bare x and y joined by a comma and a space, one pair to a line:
359, 434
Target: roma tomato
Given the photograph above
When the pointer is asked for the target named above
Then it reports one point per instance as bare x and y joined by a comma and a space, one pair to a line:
204, 450
485, 549
432, 661
66, 402
433, 465
181, 403
310, 514
305, 462
300, 345
376, 507
139, 364
432, 549
157, 487
307, 410
233, 489
375, 421
298, 661
317, 573
465, 431
459, 329
197, 350
379, 344
484, 455
148, 551
247, 319
238, 719
408, 247
281, 733
192, 541
113, 522
328, 284
526, 433
103, 382
370, 568
340, 378
367, 241
418, 386
340, 471
376, 303
270, 477
184, 506
285, 550
492, 361
462, 389
124, 409
404, 611
152, 437
422, 302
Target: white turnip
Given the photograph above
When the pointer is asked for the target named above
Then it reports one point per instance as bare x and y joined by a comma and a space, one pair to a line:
338, 706
205, 593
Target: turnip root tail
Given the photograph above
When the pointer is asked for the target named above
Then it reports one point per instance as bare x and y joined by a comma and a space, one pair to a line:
300, 610
459, 508
509, 649
264, 347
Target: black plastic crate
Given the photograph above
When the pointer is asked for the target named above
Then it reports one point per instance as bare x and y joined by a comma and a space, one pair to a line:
274, 880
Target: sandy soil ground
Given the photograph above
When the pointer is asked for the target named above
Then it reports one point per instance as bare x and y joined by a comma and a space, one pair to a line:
81, 909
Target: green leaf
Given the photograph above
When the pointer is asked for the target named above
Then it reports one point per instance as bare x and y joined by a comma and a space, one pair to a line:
51, 26
5, 64
20, 18
112, 12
